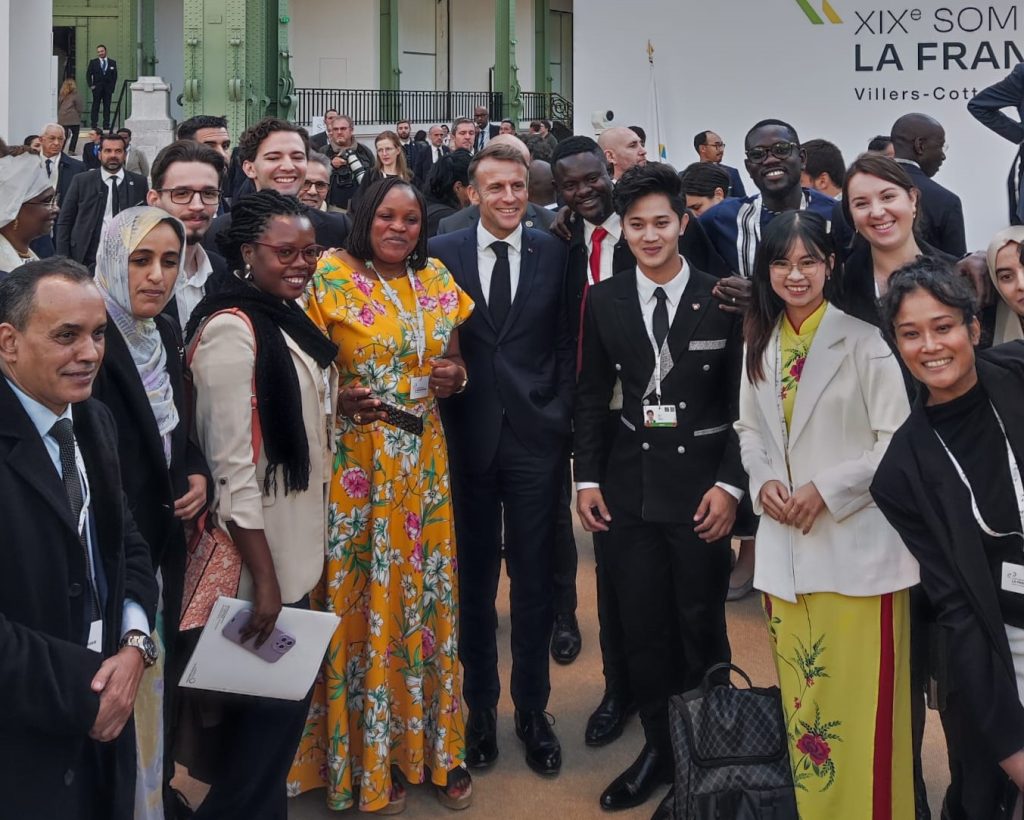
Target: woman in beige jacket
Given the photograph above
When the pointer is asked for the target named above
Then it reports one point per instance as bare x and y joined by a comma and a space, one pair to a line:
272, 501
69, 113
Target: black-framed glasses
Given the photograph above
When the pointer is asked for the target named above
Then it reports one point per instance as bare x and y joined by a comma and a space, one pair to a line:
780, 150
286, 254
717, 144
319, 187
184, 196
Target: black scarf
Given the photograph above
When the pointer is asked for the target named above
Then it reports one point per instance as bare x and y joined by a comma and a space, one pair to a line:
277, 385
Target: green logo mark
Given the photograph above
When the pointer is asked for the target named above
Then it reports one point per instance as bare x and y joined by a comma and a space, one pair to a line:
813, 15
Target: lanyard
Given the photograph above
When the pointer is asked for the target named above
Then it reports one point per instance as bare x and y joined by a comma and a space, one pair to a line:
417, 331
777, 344
657, 357
1018, 484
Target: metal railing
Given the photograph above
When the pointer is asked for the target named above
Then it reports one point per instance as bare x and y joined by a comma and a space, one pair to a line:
121, 109
376, 107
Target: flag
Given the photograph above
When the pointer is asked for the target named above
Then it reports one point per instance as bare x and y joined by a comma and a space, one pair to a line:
654, 112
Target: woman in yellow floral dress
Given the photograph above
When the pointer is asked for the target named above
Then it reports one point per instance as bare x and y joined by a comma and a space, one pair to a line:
390, 696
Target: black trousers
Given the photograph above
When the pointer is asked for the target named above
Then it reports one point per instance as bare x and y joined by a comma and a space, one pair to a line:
104, 94
519, 489
614, 662
565, 558
671, 589
71, 137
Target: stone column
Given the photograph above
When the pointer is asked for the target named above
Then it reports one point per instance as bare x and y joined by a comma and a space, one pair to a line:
150, 123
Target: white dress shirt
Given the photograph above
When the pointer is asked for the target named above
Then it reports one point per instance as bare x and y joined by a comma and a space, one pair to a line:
133, 616
191, 288
485, 257
107, 177
614, 227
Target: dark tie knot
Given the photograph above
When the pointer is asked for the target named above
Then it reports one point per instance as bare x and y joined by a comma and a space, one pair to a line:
660, 295
63, 432
500, 249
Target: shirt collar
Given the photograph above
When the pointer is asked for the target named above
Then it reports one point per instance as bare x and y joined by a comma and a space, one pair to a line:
612, 224
484, 238
673, 289
907, 162
203, 269
119, 175
42, 417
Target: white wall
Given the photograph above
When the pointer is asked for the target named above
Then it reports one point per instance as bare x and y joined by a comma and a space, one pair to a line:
170, 53
335, 45
725, 68
26, 46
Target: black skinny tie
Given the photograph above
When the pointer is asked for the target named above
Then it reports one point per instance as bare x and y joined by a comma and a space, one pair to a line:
115, 197
499, 300
659, 321
63, 432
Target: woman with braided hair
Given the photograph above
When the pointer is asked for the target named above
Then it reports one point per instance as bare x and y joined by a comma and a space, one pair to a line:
273, 501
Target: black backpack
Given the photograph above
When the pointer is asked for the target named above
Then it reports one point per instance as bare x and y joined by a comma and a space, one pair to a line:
731, 753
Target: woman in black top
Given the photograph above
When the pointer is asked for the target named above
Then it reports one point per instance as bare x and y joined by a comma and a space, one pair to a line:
947, 484
447, 188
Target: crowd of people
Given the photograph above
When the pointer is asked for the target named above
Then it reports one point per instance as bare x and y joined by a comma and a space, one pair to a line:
384, 373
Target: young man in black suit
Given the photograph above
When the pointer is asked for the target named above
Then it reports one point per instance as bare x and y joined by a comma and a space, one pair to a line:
77, 589
507, 435
417, 154
94, 198
665, 485
101, 76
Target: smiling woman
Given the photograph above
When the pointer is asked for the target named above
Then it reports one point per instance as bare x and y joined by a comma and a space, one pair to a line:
28, 208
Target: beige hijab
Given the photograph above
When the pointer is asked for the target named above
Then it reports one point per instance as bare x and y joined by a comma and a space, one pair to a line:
1008, 327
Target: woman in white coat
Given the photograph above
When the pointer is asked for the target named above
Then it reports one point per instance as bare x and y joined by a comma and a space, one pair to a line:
821, 398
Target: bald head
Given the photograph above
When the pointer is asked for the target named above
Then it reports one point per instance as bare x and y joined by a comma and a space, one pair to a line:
920, 138
514, 141
542, 183
622, 149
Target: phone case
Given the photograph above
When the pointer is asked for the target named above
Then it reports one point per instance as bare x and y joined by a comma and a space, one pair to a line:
273, 649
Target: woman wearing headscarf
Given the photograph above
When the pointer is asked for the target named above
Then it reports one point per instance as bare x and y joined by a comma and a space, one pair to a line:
28, 208
273, 502
1007, 272
165, 478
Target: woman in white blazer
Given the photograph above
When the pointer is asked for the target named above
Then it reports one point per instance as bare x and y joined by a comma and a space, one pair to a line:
821, 398
273, 502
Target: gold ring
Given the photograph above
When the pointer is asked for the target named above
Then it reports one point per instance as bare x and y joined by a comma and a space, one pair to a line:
734, 300
357, 418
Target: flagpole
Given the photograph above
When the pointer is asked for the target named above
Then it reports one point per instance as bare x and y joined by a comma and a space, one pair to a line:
662, 153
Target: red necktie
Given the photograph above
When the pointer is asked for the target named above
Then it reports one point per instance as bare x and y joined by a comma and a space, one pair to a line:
595, 274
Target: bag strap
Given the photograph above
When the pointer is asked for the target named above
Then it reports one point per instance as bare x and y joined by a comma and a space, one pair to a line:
718, 667
257, 431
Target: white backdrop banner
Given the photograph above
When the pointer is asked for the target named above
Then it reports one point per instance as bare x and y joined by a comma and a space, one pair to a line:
841, 70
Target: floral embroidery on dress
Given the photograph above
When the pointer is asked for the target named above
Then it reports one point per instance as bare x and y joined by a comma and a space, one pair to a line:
793, 367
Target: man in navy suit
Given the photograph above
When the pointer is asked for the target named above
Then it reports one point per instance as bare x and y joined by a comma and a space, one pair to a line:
507, 436
61, 169
987, 108
710, 148
102, 79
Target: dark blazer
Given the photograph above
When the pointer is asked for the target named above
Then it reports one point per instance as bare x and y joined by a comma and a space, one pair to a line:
214, 282
577, 269
331, 229
90, 156
45, 678
987, 108
81, 213
318, 141
735, 182
418, 158
918, 490
96, 79
536, 217
445, 151
941, 222
67, 169
659, 474
525, 370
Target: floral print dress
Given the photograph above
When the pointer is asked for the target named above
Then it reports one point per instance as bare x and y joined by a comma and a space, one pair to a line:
843, 671
390, 689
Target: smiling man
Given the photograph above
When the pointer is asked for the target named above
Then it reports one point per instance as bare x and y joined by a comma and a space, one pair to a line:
507, 437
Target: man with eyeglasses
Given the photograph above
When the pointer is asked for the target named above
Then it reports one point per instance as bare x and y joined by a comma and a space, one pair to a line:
318, 179
920, 145
186, 184
710, 148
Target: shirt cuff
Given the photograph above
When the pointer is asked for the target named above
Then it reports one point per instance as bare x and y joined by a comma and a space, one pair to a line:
587, 485
735, 492
133, 619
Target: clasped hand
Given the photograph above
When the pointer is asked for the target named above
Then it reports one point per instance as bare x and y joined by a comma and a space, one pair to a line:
117, 683
801, 509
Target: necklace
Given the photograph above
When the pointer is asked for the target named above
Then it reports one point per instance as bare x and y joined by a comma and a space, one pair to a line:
413, 322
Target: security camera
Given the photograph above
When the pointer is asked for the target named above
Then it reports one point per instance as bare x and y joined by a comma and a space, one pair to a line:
602, 120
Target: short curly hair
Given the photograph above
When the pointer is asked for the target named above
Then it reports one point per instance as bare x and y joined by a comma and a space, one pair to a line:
252, 137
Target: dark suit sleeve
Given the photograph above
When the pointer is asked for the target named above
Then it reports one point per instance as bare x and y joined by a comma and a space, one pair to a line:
90, 74
68, 215
730, 468
953, 233
112, 73
987, 106
736, 184
593, 394
984, 688
565, 348
139, 578
696, 247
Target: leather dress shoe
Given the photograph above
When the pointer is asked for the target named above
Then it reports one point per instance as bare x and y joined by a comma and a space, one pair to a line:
635, 785
481, 738
666, 806
565, 638
543, 751
607, 720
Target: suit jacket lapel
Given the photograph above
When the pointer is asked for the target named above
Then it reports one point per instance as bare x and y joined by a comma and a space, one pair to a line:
826, 354
527, 273
693, 304
467, 256
631, 319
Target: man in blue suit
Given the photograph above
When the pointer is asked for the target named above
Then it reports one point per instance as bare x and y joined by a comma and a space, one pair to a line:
987, 108
507, 437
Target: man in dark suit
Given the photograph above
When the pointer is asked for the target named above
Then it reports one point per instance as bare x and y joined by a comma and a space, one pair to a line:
61, 169
318, 141
435, 144
101, 76
710, 148
94, 198
919, 142
485, 129
417, 155
77, 590
665, 485
987, 108
273, 154
507, 435
186, 184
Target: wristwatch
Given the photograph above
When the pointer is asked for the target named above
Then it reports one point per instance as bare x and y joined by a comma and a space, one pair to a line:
142, 642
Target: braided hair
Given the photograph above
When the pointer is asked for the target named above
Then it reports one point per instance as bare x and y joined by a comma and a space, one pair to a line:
249, 219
